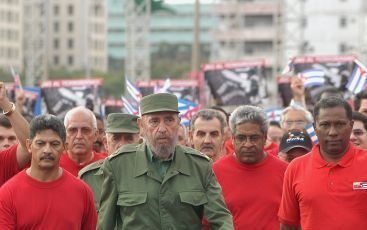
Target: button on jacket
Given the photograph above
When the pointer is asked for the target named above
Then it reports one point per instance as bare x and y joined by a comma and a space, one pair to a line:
135, 196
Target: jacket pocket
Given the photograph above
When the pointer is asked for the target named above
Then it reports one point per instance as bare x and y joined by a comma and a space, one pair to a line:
195, 198
132, 199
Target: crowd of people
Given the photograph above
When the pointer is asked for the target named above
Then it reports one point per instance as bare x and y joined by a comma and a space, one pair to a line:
237, 171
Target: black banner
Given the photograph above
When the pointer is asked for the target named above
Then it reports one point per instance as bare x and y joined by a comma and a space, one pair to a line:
237, 83
62, 95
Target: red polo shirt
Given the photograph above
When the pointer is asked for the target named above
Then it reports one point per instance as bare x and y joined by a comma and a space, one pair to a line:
8, 164
72, 167
322, 195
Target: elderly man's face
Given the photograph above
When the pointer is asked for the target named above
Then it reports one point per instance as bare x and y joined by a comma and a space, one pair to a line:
207, 137
294, 120
249, 142
160, 131
7, 138
80, 134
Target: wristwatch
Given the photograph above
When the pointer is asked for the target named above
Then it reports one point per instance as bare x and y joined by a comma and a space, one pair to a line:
12, 109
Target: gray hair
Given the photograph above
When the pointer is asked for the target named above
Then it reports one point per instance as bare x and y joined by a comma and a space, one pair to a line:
307, 114
71, 112
207, 114
248, 113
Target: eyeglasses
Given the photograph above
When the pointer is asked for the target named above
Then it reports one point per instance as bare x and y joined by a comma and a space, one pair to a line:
243, 138
297, 123
358, 132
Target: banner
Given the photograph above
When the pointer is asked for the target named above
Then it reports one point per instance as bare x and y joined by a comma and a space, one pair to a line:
237, 83
62, 95
318, 73
183, 89
111, 106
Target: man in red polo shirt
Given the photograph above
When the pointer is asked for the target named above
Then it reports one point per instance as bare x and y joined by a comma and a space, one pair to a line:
17, 156
81, 133
326, 189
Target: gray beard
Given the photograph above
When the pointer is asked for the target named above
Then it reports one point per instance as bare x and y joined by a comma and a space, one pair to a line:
163, 152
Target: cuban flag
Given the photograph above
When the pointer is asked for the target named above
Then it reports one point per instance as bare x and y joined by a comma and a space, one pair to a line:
129, 107
273, 114
187, 109
357, 81
311, 131
16, 78
132, 90
312, 77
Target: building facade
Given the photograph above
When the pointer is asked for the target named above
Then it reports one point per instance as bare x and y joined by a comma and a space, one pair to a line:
11, 34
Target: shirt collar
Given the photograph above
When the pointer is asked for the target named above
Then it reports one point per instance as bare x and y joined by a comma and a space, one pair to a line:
345, 161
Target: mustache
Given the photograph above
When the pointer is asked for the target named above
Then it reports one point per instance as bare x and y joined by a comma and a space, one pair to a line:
205, 146
47, 157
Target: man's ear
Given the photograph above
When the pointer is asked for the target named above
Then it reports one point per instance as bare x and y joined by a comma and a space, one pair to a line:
28, 143
104, 140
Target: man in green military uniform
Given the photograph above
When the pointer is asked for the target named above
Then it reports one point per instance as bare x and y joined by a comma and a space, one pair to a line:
121, 129
159, 184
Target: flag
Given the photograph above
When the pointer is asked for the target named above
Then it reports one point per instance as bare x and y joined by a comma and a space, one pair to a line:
289, 67
357, 81
128, 107
132, 90
187, 109
166, 86
312, 77
310, 130
16, 78
273, 114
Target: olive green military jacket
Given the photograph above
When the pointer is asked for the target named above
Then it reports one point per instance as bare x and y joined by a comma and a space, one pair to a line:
92, 175
135, 196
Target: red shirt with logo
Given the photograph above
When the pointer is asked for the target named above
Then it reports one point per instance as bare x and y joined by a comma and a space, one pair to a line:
322, 195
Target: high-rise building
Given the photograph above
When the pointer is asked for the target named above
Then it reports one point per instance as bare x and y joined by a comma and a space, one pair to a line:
11, 35
165, 27
330, 27
64, 34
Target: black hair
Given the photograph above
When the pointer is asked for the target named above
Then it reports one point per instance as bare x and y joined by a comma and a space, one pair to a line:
332, 102
357, 116
358, 98
44, 122
274, 123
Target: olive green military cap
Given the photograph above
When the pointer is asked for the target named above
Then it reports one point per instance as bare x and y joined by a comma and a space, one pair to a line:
122, 123
159, 102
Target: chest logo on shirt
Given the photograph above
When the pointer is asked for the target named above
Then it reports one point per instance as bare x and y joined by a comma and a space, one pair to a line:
359, 185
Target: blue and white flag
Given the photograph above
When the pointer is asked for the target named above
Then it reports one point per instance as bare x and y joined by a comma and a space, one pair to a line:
273, 114
129, 107
187, 109
357, 81
311, 131
132, 90
313, 77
